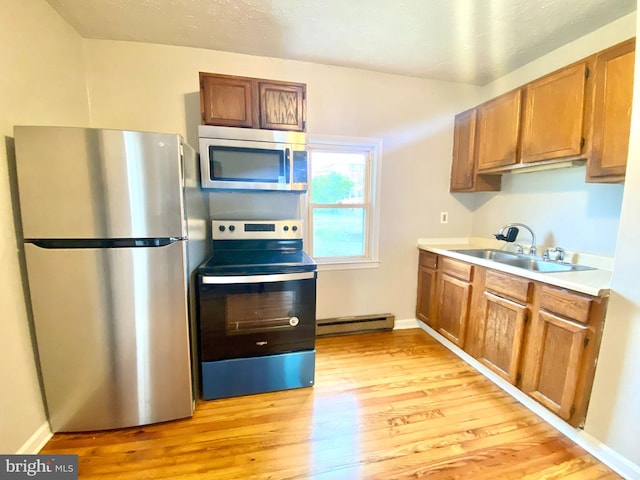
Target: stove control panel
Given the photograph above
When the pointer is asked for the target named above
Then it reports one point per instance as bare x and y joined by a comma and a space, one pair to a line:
256, 229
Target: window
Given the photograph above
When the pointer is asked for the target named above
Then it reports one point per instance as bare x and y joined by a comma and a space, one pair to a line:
343, 200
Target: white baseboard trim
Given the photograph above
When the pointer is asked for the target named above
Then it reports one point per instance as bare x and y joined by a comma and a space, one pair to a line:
406, 324
38, 440
602, 452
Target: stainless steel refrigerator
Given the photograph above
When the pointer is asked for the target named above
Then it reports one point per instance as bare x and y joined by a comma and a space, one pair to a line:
114, 224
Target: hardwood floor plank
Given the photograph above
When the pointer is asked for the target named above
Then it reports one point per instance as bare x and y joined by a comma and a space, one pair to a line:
388, 405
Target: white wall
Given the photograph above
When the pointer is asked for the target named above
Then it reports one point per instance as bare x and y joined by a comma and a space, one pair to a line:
560, 207
153, 87
614, 413
42, 82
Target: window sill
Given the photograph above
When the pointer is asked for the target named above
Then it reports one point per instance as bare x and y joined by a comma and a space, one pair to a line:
344, 265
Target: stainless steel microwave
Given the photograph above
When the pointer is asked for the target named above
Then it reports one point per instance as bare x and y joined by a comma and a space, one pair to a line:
250, 159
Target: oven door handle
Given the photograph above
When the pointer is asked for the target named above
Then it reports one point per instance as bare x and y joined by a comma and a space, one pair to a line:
232, 279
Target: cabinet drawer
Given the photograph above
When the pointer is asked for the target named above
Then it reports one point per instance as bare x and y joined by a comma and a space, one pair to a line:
566, 304
456, 269
508, 286
428, 259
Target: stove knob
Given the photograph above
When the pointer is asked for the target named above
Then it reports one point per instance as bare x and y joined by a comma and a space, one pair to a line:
286, 228
294, 228
232, 228
221, 228
293, 321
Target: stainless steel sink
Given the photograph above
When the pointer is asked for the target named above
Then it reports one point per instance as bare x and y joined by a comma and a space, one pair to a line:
527, 262
489, 254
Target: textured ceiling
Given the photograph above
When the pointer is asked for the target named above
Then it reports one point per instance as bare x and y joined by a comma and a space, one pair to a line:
473, 41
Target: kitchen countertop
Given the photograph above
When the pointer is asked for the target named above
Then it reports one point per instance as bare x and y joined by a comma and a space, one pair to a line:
592, 282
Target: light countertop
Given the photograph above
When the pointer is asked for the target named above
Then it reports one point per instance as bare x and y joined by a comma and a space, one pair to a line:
592, 282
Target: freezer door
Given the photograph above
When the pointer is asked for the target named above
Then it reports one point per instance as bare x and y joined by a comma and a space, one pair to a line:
112, 335
93, 183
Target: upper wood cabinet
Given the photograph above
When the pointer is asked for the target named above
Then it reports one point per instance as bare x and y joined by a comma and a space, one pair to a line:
610, 129
554, 115
282, 105
252, 102
499, 131
579, 112
227, 100
464, 177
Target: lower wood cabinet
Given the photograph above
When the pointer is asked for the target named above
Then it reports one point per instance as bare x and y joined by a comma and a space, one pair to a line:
425, 307
541, 338
454, 298
501, 335
502, 322
565, 339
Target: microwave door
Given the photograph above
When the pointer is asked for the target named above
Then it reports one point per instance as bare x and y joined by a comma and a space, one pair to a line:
244, 165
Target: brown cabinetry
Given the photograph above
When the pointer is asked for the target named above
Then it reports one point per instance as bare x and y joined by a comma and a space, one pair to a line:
502, 322
427, 275
464, 177
577, 113
554, 115
541, 338
499, 131
610, 129
454, 299
252, 102
564, 341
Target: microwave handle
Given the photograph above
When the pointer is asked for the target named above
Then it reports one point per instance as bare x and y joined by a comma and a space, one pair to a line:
288, 171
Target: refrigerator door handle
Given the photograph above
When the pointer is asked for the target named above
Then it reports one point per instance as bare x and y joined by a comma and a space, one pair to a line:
53, 243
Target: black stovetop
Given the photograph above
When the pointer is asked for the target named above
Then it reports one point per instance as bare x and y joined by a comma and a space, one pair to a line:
246, 257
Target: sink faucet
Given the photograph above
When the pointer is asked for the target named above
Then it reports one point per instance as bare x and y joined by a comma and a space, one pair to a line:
510, 237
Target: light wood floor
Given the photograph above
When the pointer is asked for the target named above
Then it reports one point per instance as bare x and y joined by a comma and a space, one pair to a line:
385, 406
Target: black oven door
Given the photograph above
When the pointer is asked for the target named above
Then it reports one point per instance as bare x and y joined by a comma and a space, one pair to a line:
255, 315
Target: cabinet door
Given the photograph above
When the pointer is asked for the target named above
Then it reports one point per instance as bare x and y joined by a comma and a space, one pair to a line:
226, 100
559, 345
453, 308
554, 115
282, 106
463, 166
613, 95
501, 333
426, 295
499, 131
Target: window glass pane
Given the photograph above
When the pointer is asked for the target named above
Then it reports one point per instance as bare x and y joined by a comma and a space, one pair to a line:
338, 232
338, 177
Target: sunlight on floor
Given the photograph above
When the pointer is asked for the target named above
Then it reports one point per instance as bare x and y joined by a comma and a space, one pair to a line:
336, 436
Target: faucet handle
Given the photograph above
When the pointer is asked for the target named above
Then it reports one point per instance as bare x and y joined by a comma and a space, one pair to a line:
556, 254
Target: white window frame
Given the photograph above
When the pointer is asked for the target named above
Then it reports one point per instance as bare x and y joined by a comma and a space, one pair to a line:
373, 147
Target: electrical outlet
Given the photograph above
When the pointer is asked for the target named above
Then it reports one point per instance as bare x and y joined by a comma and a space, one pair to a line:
444, 217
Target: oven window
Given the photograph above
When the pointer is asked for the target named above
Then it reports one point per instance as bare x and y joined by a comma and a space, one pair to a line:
259, 312
247, 164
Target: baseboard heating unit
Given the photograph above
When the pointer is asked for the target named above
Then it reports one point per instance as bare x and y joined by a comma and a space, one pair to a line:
354, 324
